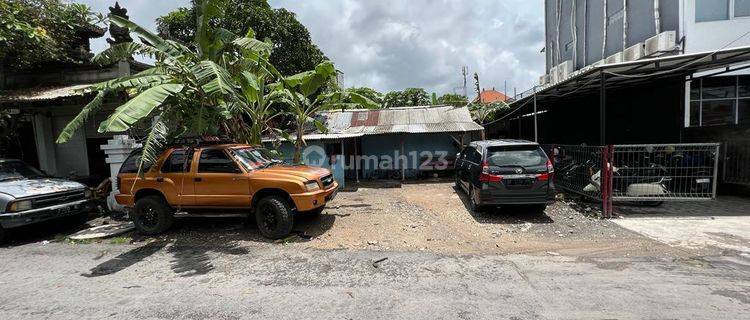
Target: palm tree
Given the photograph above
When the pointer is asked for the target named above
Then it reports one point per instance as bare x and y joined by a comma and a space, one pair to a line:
484, 112
188, 91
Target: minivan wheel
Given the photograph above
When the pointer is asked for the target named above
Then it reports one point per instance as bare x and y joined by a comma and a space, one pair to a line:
538, 207
152, 215
472, 200
274, 217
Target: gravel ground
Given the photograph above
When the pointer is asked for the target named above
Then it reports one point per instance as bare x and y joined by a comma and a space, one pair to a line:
432, 217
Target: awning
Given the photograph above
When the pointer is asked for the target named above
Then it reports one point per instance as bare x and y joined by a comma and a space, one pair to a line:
630, 73
42, 93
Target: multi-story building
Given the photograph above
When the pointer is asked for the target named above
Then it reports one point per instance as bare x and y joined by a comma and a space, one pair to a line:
641, 71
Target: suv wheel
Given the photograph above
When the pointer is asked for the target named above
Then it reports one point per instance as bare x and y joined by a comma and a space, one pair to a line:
152, 215
274, 217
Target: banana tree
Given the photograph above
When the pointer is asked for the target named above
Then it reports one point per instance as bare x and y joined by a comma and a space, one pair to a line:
188, 91
303, 95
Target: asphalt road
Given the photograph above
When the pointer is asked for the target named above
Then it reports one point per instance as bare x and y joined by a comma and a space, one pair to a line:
168, 280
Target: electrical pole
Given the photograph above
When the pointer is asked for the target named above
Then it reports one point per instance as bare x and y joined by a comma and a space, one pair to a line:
464, 72
476, 84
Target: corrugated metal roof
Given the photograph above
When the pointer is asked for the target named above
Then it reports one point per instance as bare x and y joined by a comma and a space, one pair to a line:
42, 94
427, 119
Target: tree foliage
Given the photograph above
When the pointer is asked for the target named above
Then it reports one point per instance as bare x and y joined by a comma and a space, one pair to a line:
486, 112
452, 99
207, 90
368, 93
34, 33
219, 84
294, 51
407, 98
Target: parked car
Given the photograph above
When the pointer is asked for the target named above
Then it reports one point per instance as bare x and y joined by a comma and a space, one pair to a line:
29, 196
219, 178
505, 172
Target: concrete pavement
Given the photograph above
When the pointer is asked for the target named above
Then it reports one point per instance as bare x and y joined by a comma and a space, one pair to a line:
235, 280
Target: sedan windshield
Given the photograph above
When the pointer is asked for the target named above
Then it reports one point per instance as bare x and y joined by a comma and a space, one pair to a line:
13, 170
255, 158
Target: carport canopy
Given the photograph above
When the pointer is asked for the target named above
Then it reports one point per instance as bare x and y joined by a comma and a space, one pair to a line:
611, 76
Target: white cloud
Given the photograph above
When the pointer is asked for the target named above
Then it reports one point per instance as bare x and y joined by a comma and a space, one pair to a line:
394, 44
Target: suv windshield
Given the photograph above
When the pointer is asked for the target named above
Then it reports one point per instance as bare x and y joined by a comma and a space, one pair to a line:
10, 170
524, 156
255, 158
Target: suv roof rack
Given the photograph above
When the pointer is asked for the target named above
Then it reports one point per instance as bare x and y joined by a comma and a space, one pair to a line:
199, 141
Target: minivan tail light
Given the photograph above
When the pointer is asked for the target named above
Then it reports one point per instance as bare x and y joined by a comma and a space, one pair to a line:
485, 176
543, 176
550, 167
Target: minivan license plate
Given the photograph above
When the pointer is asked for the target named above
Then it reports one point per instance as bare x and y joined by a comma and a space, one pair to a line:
518, 182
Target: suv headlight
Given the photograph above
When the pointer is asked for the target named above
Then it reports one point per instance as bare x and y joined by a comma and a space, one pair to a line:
312, 186
87, 193
20, 205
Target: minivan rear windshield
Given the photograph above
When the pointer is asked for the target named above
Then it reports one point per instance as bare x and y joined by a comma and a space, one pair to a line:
524, 156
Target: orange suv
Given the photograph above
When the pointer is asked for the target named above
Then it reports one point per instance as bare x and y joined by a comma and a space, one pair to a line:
221, 178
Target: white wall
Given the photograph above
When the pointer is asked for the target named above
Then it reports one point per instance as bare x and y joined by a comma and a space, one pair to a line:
712, 35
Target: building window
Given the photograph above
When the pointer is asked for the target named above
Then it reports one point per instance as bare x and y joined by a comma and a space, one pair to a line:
743, 101
711, 10
743, 111
717, 112
717, 101
742, 8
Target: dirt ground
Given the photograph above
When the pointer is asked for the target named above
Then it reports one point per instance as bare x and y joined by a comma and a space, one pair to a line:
436, 217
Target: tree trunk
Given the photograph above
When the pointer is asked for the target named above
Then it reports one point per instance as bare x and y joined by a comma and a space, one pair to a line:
298, 144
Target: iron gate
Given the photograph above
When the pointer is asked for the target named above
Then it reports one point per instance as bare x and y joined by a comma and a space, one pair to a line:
646, 173
737, 162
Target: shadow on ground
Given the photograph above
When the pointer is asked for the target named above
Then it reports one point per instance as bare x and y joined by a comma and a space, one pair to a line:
125, 260
52, 230
192, 240
504, 214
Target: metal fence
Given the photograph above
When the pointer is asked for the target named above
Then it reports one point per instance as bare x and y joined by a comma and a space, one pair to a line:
577, 168
653, 173
647, 173
737, 162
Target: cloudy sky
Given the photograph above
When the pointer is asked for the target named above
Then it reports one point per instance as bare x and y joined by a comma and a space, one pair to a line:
394, 44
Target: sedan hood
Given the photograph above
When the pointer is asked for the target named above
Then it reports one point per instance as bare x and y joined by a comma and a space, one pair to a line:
33, 187
302, 172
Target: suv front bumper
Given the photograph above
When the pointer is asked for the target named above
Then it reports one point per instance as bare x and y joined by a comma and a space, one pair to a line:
312, 200
22, 218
